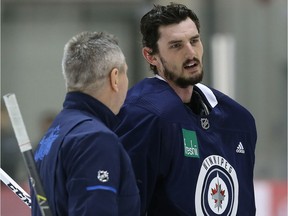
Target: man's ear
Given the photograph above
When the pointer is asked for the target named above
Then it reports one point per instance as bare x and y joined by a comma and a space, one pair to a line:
114, 79
150, 58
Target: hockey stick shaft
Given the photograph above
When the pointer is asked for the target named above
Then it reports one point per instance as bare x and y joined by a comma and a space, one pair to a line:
26, 150
15, 188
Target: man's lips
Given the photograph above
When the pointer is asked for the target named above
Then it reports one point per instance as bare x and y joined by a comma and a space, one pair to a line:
191, 64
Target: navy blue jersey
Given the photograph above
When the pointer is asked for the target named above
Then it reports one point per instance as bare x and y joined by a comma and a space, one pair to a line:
84, 168
187, 163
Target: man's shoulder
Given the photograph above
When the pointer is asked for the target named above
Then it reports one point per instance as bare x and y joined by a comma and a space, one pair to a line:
228, 106
230, 103
78, 123
153, 95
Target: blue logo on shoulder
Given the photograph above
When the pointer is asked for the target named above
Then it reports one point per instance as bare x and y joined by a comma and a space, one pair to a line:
46, 143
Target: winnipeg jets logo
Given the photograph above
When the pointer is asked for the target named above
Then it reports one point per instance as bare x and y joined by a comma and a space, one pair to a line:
219, 195
217, 188
103, 176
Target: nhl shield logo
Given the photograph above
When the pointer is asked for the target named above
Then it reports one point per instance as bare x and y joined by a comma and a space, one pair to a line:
205, 123
103, 176
217, 188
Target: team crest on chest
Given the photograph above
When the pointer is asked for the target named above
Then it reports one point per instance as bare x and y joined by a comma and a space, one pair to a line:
217, 188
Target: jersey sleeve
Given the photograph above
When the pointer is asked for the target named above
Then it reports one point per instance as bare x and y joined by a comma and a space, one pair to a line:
147, 140
92, 166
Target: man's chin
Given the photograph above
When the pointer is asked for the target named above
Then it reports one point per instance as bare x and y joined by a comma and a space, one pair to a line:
184, 83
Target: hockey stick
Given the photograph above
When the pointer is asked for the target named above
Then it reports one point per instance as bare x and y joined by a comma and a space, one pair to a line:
12, 185
26, 150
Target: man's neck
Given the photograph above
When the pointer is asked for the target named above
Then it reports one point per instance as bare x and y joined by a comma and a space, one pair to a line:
184, 93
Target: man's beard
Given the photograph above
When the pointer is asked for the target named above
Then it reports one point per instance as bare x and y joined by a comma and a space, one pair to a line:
182, 82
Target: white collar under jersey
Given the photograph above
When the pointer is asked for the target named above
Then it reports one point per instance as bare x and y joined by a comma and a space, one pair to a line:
204, 89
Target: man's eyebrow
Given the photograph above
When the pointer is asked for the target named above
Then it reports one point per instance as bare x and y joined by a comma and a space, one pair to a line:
195, 36
179, 41
174, 41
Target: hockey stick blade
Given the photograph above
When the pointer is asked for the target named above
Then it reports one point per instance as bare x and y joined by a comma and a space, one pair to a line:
15, 188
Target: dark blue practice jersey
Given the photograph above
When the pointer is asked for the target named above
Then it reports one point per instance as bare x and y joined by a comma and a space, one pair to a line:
187, 163
84, 168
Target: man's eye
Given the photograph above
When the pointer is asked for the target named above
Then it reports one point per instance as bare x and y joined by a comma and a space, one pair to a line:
193, 41
175, 45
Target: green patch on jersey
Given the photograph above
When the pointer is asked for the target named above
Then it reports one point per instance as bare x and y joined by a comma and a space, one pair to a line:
190, 143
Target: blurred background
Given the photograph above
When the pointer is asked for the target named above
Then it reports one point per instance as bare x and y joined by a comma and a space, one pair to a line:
245, 56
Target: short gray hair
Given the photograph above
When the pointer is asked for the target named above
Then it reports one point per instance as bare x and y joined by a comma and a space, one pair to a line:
88, 59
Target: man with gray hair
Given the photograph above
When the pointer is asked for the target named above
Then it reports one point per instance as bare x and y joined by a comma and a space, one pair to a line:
82, 165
